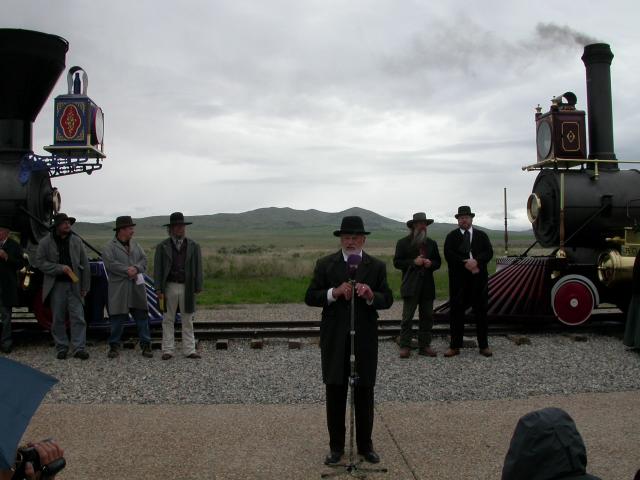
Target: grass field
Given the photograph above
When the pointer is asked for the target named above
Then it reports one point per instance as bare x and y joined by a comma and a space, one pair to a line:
262, 266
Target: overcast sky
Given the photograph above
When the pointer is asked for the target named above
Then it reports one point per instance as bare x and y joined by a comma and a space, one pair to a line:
394, 106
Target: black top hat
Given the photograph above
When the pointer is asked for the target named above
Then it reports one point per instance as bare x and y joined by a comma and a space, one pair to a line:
353, 225
176, 218
60, 218
419, 217
464, 210
123, 222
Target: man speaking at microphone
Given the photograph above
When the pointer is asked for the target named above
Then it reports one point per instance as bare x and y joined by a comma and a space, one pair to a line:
331, 289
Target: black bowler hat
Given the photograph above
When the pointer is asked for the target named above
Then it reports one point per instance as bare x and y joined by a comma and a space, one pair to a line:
464, 210
351, 225
419, 217
60, 218
124, 222
176, 218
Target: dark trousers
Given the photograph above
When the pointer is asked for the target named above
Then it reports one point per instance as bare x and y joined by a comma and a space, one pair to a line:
336, 409
425, 319
141, 318
473, 293
5, 315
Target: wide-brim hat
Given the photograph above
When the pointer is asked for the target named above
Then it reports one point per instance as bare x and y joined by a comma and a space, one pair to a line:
60, 218
176, 218
464, 210
351, 225
124, 222
419, 217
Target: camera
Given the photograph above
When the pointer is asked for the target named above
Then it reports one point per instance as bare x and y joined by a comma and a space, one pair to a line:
30, 454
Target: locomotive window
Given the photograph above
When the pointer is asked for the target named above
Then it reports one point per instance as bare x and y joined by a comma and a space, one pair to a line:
543, 140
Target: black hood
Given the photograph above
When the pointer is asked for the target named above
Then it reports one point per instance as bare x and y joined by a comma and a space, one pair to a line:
546, 445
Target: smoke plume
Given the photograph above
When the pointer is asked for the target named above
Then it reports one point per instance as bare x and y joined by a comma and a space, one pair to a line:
563, 35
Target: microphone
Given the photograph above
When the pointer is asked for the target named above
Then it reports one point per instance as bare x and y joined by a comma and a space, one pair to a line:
352, 262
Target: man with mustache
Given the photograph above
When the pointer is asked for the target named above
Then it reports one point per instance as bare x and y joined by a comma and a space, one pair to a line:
418, 257
330, 289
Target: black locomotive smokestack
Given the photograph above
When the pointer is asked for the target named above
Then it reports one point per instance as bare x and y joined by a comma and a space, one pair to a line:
597, 61
31, 64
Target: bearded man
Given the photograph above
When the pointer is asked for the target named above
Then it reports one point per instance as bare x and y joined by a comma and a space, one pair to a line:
418, 257
331, 289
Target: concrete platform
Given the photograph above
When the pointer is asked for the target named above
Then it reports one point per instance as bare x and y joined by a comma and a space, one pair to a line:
430, 440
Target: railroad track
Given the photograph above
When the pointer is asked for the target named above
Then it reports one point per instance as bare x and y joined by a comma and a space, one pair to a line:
605, 322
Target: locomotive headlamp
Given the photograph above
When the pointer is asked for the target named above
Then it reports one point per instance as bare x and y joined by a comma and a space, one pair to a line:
533, 207
560, 133
79, 122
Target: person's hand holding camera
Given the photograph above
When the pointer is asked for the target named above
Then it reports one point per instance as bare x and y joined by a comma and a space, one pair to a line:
38, 461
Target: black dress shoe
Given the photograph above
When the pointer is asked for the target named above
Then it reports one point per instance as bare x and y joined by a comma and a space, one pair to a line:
333, 458
371, 457
81, 354
61, 355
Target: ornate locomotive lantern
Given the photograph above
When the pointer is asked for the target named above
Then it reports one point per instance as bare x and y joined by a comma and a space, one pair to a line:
78, 121
560, 133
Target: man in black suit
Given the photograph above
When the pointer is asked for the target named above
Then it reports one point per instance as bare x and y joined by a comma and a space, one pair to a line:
10, 262
331, 290
418, 257
468, 251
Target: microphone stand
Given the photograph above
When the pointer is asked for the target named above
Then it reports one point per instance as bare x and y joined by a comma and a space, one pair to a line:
352, 468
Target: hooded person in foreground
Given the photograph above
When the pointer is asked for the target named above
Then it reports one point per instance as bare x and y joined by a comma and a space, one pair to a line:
546, 445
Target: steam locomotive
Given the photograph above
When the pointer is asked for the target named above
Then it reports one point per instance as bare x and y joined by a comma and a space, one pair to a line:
582, 205
32, 63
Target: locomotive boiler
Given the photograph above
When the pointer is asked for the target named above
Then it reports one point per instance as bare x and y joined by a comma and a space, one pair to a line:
582, 204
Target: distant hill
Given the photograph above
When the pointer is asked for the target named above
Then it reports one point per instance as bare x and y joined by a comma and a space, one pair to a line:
266, 219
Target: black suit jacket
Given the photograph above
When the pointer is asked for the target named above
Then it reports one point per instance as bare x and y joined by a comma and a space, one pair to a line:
9, 272
414, 277
330, 272
455, 255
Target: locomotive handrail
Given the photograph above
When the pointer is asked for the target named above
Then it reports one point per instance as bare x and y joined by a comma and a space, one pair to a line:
48, 227
574, 161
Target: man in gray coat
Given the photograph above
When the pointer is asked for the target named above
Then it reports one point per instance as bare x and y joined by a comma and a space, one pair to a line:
125, 262
63, 261
178, 279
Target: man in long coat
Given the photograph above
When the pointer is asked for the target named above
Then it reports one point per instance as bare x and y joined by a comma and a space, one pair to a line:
10, 262
468, 251
418, 257
125, 262
63, 261
178, 279
331, 290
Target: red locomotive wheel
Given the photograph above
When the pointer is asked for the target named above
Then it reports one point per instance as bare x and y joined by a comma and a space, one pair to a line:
573, 299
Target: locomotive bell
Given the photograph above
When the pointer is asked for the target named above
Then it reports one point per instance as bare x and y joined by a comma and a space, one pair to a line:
78, 130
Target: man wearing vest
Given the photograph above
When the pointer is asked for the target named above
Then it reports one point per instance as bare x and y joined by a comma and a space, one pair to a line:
63, 261
178, 279
468, 251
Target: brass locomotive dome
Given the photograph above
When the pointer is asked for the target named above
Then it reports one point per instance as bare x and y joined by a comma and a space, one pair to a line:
533, 207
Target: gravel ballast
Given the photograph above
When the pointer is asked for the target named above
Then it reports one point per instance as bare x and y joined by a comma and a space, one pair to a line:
551, 364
